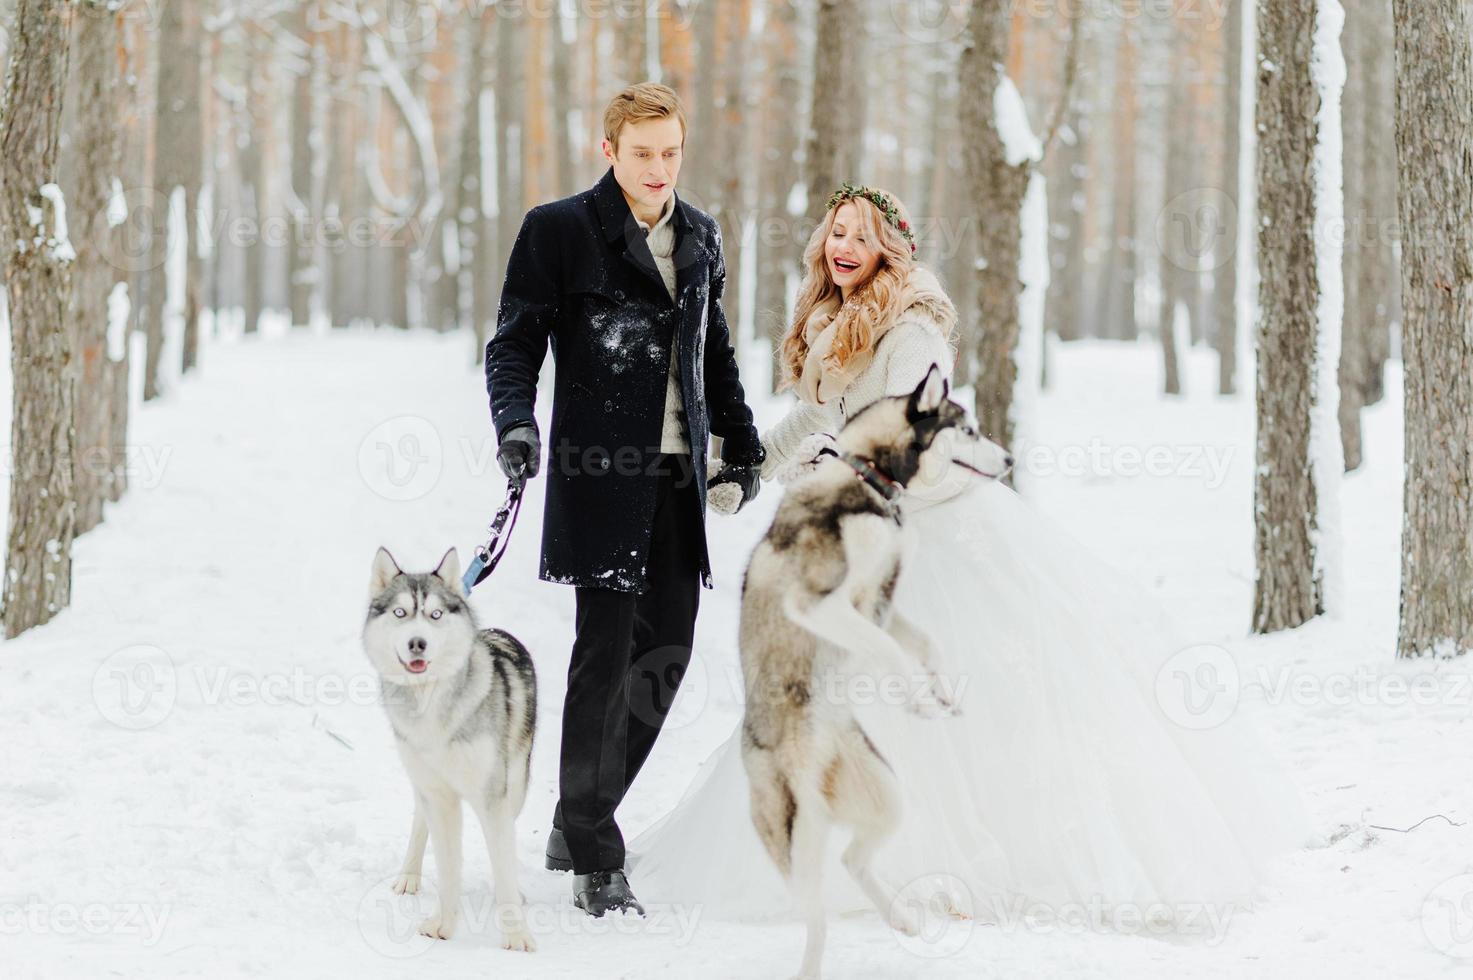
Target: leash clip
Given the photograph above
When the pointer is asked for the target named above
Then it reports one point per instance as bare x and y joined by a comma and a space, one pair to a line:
488, 555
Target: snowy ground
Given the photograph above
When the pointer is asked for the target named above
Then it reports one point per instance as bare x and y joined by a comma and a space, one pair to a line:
198, 780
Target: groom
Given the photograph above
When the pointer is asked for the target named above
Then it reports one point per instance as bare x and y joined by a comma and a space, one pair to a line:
625, 280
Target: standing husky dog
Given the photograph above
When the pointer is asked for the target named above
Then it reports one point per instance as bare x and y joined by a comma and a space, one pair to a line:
829, 564
463, 705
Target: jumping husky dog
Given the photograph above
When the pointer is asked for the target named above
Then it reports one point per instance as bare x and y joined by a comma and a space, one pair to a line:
463, 705
829, 565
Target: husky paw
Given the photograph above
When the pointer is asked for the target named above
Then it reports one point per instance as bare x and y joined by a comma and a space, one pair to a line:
932, 701
406, 884
905, 921
519, 940
438, 926
950, 907
932, 707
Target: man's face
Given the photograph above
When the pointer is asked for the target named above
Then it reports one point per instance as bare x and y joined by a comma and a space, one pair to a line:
648, 161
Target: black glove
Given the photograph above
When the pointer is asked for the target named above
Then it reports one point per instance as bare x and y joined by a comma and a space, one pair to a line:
520, 453
747, 477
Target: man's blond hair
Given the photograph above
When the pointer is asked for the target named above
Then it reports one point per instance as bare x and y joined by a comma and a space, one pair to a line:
645, 100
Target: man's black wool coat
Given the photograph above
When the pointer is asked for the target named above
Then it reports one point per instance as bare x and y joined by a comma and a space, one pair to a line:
581, 277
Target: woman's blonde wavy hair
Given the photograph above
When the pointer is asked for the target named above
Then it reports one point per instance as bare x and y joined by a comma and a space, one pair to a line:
870, 310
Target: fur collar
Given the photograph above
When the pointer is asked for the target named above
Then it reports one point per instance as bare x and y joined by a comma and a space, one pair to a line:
922, 299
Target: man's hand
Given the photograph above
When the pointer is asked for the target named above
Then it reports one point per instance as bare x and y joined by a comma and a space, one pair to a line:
520, 454
744, 478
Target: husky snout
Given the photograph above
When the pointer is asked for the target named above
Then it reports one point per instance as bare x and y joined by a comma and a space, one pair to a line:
417, 662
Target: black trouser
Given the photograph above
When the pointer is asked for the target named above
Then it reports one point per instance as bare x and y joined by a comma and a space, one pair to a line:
629, 655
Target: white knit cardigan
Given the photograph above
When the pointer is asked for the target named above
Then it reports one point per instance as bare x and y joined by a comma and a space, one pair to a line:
901, 359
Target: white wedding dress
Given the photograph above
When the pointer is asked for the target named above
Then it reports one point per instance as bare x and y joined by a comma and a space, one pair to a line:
1064, 780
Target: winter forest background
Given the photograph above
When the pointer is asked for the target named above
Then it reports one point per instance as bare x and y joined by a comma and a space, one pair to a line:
1214, 261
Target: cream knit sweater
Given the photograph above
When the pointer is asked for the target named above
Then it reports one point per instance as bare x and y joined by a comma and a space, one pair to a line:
901, 359
661, 240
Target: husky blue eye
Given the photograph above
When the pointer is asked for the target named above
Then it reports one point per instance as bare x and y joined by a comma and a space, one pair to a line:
436, 613
399, 612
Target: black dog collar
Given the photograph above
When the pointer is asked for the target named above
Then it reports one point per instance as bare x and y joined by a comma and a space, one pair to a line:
868, 472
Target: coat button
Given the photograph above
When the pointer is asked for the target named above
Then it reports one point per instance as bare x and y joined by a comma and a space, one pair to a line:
604, 463
608, 406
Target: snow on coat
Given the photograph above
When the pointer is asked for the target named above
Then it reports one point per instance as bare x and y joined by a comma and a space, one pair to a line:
581, 277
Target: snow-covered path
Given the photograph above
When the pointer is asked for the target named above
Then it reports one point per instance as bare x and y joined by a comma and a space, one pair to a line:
198, 779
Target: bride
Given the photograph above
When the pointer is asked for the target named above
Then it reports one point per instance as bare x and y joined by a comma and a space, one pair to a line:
1065, 779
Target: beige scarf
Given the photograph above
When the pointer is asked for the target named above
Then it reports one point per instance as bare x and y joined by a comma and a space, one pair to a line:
823, 383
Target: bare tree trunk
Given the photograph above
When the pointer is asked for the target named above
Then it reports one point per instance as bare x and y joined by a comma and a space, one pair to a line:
1225, 279
97, 153
509, 119
341, 291
167, 97
1381, 272
1370, 193
134, 54
445, 90
1115, 315
1066, 229
180, 142
255, 175
959, 226
996, 188
465, 210
700, 178
730, 209
38, 279
1183, 239
1434, 141
302, 269
677, 50
1296, 348
481, 268
832, 147
565, 174
631, 52
1353, 355
777, 248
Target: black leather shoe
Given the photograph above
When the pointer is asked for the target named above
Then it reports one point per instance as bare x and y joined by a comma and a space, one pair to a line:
605, 891
559, 858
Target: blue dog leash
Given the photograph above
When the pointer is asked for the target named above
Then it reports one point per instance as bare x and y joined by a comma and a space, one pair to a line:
488, 555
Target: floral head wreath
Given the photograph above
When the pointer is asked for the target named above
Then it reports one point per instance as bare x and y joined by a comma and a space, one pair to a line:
848, 191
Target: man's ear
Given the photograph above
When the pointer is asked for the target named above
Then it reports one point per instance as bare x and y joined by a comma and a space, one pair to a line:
608, 149
930, 393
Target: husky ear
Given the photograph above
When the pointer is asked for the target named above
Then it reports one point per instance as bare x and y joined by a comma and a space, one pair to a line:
449, 569
384, 570
930, 393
